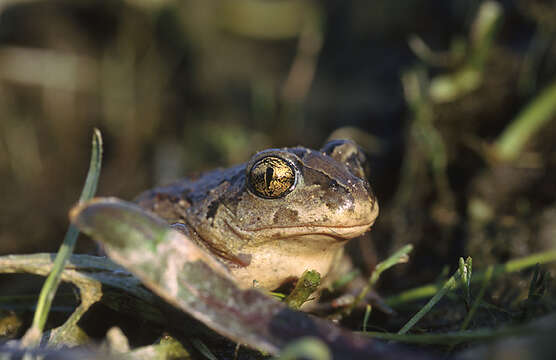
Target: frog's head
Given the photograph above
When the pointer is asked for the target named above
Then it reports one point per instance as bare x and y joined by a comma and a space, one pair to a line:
286, 210
296, 192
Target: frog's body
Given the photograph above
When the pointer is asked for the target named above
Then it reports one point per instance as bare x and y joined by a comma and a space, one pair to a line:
283, 212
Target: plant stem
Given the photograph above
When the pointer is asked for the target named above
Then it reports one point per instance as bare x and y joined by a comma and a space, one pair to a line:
475, 306
396, 258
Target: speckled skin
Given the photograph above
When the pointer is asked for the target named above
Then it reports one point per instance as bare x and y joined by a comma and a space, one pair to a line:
273, 241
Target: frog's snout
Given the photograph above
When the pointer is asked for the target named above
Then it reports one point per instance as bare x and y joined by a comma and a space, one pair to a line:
366, 207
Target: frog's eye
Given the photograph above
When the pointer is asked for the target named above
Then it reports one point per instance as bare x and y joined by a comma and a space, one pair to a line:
272, 177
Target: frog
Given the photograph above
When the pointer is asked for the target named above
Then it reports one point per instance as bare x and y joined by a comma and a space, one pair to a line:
284, 211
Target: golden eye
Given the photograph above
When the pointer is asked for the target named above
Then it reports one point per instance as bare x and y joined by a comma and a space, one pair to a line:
271, 177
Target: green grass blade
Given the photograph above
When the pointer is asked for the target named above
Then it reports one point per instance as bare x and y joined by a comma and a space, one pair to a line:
368, 310
529, 121
449, 285
53, 280
453, 338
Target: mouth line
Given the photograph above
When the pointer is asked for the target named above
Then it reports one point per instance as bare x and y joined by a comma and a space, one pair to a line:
313, 226
336, 238
338, 233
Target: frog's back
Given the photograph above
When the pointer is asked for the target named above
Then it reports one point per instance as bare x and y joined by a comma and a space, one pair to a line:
171, 201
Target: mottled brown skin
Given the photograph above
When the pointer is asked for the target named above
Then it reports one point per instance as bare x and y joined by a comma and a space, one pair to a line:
273, 236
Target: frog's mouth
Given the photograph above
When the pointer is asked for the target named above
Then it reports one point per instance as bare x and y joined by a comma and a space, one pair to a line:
316, 232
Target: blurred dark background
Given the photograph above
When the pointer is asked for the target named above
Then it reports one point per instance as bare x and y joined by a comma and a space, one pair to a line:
182, 86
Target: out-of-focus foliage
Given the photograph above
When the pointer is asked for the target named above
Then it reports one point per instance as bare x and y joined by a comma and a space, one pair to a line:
181, 86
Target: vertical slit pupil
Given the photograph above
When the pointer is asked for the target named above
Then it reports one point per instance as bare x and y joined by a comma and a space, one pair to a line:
269, 175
